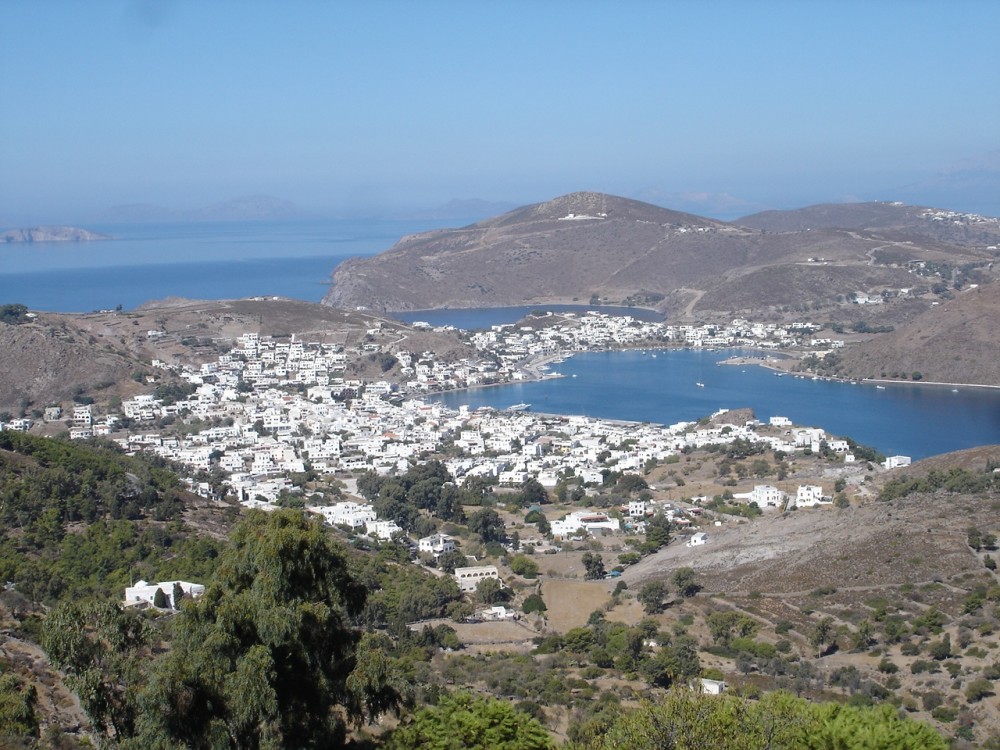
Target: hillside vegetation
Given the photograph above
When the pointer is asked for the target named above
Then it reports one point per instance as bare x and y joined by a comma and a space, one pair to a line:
240, 663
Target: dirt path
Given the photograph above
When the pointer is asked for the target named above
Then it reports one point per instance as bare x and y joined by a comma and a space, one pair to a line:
689, 308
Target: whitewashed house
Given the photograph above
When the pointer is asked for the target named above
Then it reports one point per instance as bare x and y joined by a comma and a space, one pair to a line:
143, 592
766, 496
436, 544
808, 495
697, 539
468, 578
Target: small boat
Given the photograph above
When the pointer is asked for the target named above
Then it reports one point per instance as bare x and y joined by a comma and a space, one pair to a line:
519, 407
700, 385
880, 387
954, 390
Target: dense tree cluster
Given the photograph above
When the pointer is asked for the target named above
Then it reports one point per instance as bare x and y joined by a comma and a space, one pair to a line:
13, 314
400, 593
466, 722
685, 719
626, 648
267, 658
427, 487
47, 486
957, 481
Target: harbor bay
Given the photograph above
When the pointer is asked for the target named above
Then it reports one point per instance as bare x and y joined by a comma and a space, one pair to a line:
661, 386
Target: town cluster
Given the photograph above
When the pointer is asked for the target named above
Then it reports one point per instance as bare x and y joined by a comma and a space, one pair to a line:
268, 410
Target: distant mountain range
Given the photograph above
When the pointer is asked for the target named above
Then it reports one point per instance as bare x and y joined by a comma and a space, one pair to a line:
970, 185
247, 208
592, 246
460, 209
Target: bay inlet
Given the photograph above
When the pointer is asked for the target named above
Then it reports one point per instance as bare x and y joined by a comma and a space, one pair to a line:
913, 420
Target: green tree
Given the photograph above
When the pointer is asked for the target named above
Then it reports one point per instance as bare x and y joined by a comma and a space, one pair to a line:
464, 722
17, 710
675, 662
524, 566
102, 650
684, 720
593, 565
724, 626
490, 591
453, 558
267, 655
651, 596
177, 595
822, 635
864, 636
533, 493
657, 532
533, 603
684, 580
160, 599
487, 523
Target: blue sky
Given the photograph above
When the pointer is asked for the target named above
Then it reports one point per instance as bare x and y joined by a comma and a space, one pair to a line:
343, 106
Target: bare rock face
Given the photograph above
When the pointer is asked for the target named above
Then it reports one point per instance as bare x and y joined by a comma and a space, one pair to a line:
585, 246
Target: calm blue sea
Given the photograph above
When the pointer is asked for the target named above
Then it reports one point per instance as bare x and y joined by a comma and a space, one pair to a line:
295, 259
912, 420
221, 260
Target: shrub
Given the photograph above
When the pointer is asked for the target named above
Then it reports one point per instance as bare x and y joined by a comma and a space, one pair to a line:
978, 689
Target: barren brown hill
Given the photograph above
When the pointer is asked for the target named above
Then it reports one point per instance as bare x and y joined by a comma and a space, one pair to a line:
896, 221
50, 359
584, 246
953, 342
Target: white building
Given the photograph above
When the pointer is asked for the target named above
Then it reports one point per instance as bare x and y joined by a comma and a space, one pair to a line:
766, 496
808, 495
354, 515
383, 529
469, 578
587, 520
709, 687
146, 592
697, 539
637, 508
436, 544
894, 462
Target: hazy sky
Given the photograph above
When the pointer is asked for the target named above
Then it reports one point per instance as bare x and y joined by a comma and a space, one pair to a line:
346, 105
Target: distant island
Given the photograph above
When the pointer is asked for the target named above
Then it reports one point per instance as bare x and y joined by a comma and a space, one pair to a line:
52, 234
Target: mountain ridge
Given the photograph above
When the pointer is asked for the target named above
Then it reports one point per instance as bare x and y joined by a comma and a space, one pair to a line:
592, 246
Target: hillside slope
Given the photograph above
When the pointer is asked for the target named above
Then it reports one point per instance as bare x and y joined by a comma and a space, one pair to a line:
954, 342
587, 246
